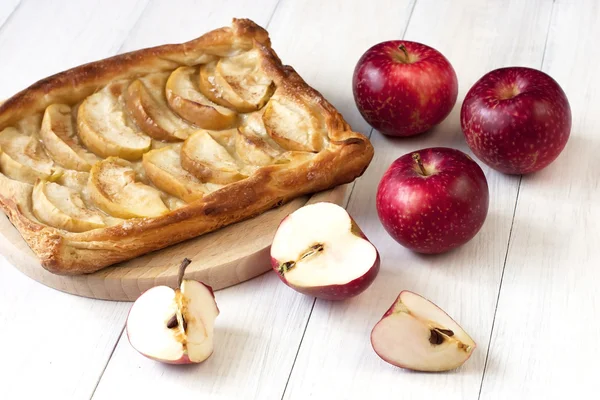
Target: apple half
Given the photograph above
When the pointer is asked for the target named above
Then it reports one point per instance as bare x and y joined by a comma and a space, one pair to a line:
174, 326
416, 334
319, 250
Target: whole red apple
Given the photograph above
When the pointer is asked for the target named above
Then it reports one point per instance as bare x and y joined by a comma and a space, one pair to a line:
433, 200
516, 120
404, 88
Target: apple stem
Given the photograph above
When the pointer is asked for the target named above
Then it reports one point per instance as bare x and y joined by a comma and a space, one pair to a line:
417, 159
403, 49
286, 266
182, 267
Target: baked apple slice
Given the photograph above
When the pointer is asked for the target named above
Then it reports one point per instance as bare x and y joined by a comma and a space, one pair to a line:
253, 149
208, 161
248, 82
105, 128
115, 189
60, 138
147, 105
190, 104
22, 157
163, 167
291, 124
236, 82
63, 208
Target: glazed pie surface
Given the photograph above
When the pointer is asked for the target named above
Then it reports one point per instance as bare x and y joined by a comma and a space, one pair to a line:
130, 154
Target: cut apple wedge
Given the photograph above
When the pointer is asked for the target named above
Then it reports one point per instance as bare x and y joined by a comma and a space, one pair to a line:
416, 334
208, 161
22, 157
105, 128
63, 208
147, 105
185, 99
320, 251
174, 326
292, 125
163, 167
115, 189
61, 141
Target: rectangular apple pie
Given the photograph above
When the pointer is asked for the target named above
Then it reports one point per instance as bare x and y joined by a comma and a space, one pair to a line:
116, 158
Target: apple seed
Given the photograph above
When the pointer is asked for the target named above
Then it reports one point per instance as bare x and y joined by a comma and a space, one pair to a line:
172, 322
437, 335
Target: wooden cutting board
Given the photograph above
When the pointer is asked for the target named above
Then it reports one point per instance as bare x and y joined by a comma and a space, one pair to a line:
220, 259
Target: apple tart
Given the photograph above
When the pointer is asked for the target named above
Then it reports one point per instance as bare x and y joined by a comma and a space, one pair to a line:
123, 156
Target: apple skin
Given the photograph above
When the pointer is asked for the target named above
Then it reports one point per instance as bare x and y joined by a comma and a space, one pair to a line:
435, 213
516, 120
184, 358
404, 96
336, 292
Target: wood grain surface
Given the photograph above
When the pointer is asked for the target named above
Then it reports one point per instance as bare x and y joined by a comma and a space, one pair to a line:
524, 287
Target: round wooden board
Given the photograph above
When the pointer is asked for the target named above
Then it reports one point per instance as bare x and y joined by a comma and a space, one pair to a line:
220, 259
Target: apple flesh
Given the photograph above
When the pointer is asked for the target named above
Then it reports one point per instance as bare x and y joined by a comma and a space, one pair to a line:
516, 120
174, 326
404, 88
416, 334
433, 200
319, 250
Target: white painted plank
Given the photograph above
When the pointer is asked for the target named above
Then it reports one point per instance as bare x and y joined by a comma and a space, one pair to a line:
165, 21
545, 337
45, 37
7, 7
53, 345
336, 359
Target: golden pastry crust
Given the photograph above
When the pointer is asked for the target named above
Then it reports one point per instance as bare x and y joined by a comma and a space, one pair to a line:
344, 156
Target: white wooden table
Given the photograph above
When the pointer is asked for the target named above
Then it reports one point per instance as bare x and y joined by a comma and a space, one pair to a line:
526, 287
